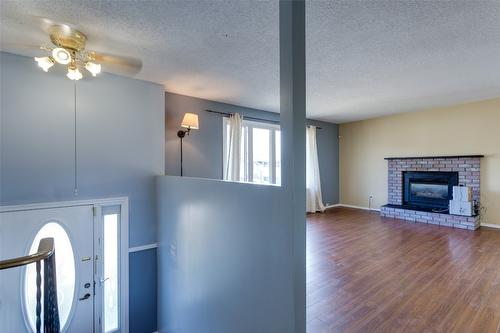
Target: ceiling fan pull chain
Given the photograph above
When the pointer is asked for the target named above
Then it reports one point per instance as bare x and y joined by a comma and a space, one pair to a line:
75, 188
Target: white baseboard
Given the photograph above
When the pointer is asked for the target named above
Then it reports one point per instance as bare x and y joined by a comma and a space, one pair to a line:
352, 206
332, 206
142, 248
489, 225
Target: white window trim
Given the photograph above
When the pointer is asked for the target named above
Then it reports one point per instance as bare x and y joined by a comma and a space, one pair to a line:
248, 141
99, 274
124, 245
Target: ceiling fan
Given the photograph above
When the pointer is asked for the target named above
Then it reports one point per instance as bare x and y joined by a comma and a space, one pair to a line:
69, 50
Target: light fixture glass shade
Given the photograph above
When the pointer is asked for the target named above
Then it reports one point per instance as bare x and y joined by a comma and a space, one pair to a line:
74, 74
190, 121
61, 55
44, 63
93, 68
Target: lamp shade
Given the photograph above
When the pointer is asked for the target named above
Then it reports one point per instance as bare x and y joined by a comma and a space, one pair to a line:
190, 121
93, 68
74, 74
45, 63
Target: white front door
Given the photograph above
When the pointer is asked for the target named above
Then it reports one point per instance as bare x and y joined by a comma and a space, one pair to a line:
72, 228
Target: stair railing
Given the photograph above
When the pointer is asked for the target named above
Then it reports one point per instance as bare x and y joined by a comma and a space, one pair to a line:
46, 253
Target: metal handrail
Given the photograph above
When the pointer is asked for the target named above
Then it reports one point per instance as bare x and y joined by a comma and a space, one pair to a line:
46, 253
45, 250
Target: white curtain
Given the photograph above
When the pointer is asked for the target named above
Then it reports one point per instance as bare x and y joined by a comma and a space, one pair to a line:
314, 202
233, 156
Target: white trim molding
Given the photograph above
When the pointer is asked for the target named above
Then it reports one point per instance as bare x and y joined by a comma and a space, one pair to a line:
61, 204
352, 206
490, 225
332, 206
143, 248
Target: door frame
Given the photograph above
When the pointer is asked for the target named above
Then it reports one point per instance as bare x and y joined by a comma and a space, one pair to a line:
124, 243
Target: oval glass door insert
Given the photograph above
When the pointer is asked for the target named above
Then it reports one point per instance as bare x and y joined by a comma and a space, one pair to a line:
65, 272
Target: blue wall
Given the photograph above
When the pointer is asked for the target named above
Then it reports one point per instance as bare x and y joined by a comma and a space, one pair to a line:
143, 291
231, 266
232, 256
202, 150
120, 144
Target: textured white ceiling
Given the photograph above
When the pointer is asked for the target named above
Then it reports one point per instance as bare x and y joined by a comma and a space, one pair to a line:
364, 58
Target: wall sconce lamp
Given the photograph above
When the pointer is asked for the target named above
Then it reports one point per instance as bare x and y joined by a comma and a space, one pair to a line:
190, 121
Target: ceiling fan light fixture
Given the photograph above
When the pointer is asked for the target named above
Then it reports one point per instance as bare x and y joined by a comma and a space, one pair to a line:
93, 68
74, 74
44, 63
61, 55
69, 50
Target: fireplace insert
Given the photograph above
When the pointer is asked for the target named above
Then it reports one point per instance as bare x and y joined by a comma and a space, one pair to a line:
428, 189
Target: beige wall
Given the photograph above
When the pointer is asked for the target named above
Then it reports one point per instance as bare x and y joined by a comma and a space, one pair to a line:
472, 128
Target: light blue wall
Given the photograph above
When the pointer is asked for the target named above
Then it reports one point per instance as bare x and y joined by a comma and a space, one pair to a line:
232, 256
120, 144
231, 267
203, 147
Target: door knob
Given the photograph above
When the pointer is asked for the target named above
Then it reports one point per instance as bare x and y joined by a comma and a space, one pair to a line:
86, 296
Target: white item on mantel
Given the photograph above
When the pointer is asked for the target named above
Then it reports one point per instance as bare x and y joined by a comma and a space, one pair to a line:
463, 208
462, 201
462, 193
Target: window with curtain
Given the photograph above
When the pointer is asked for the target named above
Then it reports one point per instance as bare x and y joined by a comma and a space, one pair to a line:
259, 152
314, 201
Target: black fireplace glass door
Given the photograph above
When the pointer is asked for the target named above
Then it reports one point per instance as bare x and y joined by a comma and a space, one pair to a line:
429, 191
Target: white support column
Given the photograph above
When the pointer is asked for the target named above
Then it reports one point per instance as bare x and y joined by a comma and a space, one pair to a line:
293, 112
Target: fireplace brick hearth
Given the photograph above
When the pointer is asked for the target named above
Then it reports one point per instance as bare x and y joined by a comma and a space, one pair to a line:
468, 168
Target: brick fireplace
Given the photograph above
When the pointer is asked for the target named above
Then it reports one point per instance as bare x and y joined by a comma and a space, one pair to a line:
467, 168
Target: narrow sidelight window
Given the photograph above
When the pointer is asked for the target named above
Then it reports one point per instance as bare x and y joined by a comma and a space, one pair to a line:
110, 280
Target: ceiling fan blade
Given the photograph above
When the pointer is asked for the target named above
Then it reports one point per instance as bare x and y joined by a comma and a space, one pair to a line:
118, 64
24, 49
33, 28
46, 24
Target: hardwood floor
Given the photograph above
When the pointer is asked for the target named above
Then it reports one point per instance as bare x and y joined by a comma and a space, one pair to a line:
370, 274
